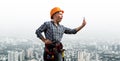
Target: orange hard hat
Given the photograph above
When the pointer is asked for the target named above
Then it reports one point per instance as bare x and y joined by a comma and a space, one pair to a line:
54, 10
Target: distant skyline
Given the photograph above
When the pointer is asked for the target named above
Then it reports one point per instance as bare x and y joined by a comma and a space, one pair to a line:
22, 18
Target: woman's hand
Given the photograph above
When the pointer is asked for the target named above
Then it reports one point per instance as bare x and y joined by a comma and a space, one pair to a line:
84, 22
47, 41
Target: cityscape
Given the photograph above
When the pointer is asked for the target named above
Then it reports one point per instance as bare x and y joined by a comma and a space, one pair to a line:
15, 49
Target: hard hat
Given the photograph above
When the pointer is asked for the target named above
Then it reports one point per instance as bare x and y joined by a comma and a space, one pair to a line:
54, 10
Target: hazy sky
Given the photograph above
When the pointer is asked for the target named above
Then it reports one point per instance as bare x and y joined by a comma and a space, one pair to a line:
23, 17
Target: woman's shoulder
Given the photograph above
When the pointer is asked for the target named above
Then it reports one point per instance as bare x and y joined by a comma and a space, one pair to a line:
47, 22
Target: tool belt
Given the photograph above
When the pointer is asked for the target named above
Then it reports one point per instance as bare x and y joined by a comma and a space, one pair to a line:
52, 49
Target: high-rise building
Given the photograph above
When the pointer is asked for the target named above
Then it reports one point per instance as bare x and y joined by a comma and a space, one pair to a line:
3, 58
83, 56
30, 53
13, 55
16, 56
21, 56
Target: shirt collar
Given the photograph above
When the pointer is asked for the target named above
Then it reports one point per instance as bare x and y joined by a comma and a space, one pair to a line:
52, 21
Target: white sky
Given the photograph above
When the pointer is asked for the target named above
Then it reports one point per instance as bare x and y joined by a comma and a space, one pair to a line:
23, 17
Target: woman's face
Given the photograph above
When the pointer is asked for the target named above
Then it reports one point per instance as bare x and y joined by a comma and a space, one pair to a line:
58, 16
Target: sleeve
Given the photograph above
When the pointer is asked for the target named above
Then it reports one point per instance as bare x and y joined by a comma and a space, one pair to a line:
70, 31
41, 29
